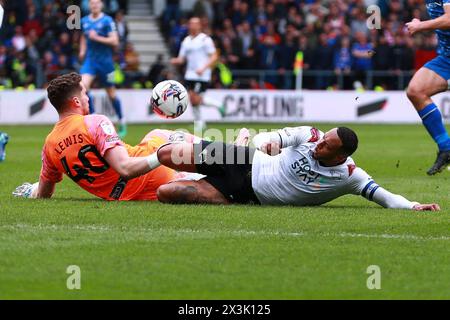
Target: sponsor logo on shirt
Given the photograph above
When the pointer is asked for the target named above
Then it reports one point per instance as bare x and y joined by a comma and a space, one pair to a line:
303, 171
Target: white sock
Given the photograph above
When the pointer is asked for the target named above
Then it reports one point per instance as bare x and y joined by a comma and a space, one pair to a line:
199, 127
196, 112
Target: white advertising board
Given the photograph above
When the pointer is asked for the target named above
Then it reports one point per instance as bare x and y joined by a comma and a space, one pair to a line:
32, 107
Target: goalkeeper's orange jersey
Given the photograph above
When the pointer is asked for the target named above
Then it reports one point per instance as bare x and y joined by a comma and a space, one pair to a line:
76, 147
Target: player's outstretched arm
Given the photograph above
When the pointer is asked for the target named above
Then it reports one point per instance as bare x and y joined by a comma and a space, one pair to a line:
442, 22
38, 190
394, 201
362, 184
177, 61
272, 142
129, 167
45, 189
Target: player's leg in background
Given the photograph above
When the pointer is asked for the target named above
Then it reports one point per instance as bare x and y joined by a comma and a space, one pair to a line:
422, 87
117, 105
199, 123
211, 102
185, 192
4, 138
87, 81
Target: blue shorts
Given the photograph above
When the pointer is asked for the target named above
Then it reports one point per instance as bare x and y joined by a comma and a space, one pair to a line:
103, 70
440, 65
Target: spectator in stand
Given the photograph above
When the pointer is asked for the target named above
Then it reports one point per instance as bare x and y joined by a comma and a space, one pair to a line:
171, 14
362, 53
131, 58
323, 60
177, 34
66, 46
343, 61
155, 74
241, 13
238, 25
287, 52
23, 72
269, 47
249, 46
426, 51
122, 29
231, 50
203, 9
359, 23
308, 57
382, 60
33, 22
18, 40
49, 66
402, 57
32, 50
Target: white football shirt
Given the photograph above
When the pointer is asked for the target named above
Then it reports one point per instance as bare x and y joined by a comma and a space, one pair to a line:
196, 51
294, 177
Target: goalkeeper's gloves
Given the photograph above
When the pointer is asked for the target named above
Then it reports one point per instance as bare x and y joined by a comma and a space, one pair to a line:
26, 190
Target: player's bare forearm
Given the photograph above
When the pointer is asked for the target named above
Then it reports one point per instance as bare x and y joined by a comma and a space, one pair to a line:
211, 62
442, 22
177, 61
45, 190
111, 41
127, 167
82, 48
134, 167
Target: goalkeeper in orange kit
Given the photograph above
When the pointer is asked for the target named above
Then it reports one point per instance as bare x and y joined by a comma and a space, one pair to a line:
88, 150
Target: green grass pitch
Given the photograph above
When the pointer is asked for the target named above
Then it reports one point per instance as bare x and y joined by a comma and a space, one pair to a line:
145, 250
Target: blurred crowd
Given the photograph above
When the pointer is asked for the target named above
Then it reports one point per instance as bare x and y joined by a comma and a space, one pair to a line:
36, 45
332, 34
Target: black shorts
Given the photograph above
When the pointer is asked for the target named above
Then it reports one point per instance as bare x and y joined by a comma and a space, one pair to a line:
228, 168
197, 86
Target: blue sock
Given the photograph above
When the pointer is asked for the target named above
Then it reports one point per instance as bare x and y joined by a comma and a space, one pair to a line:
432, 120
91, 103
117, 107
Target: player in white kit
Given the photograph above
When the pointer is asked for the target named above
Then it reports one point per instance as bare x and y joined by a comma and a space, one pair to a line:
292, 166
200, 55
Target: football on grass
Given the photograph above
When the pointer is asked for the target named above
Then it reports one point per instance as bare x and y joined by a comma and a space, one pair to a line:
169, 99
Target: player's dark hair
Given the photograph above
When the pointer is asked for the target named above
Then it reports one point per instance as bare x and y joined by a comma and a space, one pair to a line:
349, 140
62, 88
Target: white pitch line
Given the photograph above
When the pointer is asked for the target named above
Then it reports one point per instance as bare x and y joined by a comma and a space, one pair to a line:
97, 228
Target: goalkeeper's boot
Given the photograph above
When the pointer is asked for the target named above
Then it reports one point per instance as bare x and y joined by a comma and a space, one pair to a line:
4, 138
122, 131
442, 161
